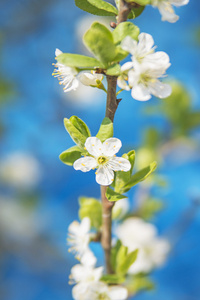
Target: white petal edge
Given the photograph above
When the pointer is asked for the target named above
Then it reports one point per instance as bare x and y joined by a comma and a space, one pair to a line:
111, 146
94, 146
85, 164
140, 93
118, 293
119, 164
104, 176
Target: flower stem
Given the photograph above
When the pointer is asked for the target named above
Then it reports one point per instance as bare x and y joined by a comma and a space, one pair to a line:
111, 107
106, 228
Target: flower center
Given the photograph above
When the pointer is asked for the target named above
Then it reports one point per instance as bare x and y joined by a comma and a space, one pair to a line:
102, 160
145, 79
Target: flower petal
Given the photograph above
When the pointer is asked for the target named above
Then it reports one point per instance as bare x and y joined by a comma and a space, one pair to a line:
88, 259
111, 146
117, 293
58, 52
179, 2
140, 93
128, 44
87, 78
146, 43
85, 225
160, 89
94, 146
104, 176
85, 164
119, 164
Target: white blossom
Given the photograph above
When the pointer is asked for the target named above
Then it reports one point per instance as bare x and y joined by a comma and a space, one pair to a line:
103, 158
98, 291
120, 209
134, 233
85, 273
166, 9
144, 82
79, 237
20, 169
143, 51
71, 78
143, 72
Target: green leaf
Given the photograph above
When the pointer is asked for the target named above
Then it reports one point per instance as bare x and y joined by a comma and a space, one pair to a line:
120, 54
80, 125
138, 283
127, 261
79, 61
140, 176
77, 136
70, 155
136, 12
107, 7
122, 178
114, 70
106, 130
112, 196
114, 252
99, 40
113, 278
97, 7
91, 208
140, 2
125, 29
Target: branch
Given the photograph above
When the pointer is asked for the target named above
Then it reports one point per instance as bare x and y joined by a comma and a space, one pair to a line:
124, 10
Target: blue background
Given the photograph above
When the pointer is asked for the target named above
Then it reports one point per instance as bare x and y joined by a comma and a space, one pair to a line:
33, 123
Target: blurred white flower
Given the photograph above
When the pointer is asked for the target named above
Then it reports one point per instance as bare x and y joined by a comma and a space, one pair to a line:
103, 158
79, 237
20, 169
144, 81
120, 209
143, 51
70, 77
145, 69
17, 222
82, 273
166, 9
98, 291
134, 233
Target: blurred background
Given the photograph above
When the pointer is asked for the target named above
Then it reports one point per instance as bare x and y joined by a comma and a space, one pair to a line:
39, 194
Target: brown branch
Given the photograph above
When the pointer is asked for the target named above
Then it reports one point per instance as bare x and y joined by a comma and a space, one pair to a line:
112, 103
106, 228
111, 107
124, 10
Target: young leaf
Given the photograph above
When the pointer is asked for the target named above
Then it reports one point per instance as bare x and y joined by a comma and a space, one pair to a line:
99, 40
105, 130
122, 178
140, 176
126, 262
77, 136
112, 196
93, 7
79, 61
113, 278
114, 70
136, 12
124, 29
140, 2
70, 155
91, 208
80, 125
114, 252
107, 7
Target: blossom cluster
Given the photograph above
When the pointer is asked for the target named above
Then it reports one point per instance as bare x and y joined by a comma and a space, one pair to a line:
85, 276
134, 233
141, 75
